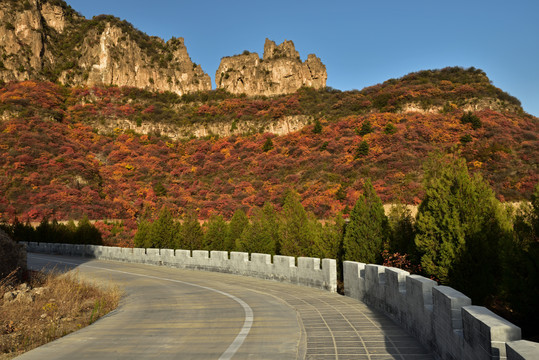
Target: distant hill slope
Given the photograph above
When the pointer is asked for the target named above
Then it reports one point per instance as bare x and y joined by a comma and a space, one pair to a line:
61, 156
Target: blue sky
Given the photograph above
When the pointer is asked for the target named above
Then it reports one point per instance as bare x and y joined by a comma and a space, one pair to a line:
362, 43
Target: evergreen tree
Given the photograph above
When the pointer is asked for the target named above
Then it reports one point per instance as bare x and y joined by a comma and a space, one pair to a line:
330, 242
44, 232
87, 233
341, 193
460, 229
534, 215
367, 230
401, 230
390, 128
142, 238
66, 233
366, 128
362, 149
24, 232
177, 234
521, 266
71, 226
216, 234
257, 236
161, 233
271, 225
296, 234
238, 222
191, 236
317, 129
268, 145
471, 118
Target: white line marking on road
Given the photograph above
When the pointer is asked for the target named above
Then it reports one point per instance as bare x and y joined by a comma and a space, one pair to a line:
249, 317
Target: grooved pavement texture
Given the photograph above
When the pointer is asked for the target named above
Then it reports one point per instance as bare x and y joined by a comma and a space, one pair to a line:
163, 316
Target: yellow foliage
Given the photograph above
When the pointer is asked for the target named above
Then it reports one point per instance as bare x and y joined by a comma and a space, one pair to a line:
9, 128
50, 307
477, 164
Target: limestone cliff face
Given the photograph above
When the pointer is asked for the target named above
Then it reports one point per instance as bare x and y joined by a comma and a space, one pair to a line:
473, 104
111, 57
280, 71
21, 40
46, 39
281, 126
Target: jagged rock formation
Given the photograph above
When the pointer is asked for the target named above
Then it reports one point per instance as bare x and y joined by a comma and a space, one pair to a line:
280, 71
47, 39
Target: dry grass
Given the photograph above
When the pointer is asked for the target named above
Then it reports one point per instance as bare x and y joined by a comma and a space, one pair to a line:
57, 305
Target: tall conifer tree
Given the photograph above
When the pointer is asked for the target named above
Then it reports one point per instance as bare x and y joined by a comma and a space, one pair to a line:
461, 228
217, 233
237, 224
142, 239
161, 233
295, 231
257, 236
367, 230
191, 237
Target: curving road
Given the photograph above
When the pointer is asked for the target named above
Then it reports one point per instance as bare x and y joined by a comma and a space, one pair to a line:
170, 313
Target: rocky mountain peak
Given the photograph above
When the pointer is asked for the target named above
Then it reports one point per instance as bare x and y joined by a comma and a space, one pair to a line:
280, 71
284, 50
48, 40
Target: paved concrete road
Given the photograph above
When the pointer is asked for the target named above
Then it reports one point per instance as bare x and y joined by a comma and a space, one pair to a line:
181, 314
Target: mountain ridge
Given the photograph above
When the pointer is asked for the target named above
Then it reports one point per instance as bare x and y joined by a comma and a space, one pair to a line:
48, 40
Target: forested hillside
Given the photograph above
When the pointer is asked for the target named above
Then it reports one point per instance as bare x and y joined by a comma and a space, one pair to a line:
54, 163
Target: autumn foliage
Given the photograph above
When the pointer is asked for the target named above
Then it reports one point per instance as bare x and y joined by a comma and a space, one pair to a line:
53, 164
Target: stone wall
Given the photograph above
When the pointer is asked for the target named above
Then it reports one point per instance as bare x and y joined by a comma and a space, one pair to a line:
442, 318
307, 272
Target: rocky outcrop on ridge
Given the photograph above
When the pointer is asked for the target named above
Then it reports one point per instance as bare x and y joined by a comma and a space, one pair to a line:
48, 40
280, 71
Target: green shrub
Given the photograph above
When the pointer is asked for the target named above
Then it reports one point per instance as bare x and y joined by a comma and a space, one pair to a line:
471, 118
362, 149
317, 129
466, 138
268, 145
366, 128
324, 146
390, 128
